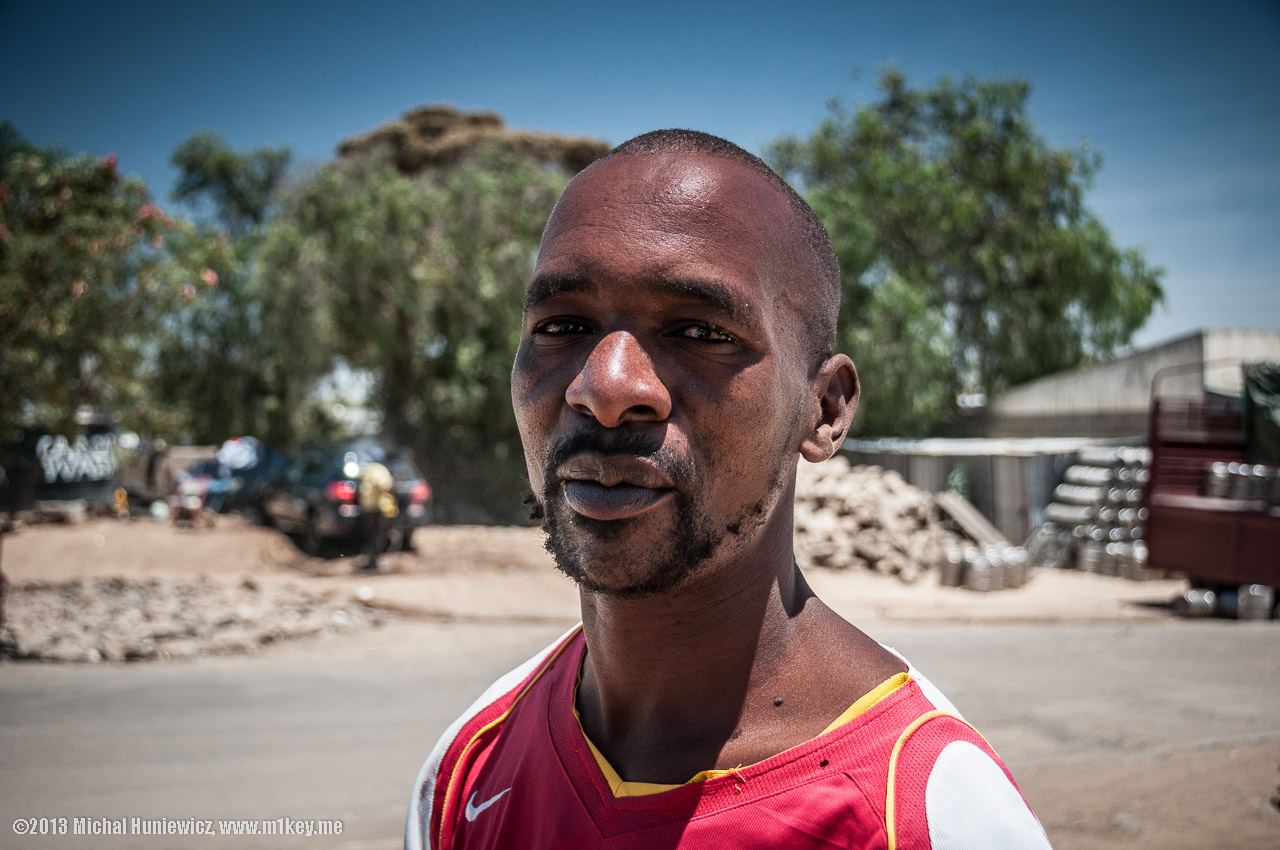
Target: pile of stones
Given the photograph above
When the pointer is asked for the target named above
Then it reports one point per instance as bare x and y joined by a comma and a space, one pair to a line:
867, 518
116, 619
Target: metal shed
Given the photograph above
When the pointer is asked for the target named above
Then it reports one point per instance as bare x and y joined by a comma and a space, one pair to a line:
1009, 480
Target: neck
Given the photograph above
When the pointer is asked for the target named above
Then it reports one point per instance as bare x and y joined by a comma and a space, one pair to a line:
669, 680
736, 666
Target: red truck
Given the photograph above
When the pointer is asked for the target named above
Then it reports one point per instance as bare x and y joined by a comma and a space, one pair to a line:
1225, 537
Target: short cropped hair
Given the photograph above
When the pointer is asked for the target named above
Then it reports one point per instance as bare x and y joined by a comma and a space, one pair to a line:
822, 312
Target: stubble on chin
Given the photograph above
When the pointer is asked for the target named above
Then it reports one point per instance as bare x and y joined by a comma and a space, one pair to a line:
583, 548
591, 553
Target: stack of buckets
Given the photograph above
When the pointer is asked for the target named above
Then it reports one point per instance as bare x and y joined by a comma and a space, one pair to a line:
1097, 510
1246, 483
1246, 602
996, 567
1242, 481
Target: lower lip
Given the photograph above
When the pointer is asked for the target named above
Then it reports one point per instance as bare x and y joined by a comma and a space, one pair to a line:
623, 501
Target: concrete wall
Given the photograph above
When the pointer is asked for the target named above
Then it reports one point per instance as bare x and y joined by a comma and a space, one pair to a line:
1117, 386
1246, 346
1112, 399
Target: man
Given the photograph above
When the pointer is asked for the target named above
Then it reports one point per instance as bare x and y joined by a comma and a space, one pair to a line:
675, 364
377, 508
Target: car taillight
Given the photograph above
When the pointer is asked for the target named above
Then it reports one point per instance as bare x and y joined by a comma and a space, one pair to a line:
420, 492
341, 491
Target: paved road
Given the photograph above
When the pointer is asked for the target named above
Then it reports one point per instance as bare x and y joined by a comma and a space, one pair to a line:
1147, 735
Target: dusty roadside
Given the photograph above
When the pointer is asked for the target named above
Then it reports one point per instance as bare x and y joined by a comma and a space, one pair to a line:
478, 573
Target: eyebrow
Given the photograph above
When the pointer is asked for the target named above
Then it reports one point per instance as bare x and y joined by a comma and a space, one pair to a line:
549, 286
713, 293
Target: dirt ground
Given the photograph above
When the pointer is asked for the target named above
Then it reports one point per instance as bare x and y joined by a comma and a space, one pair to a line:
1158, 798
486, 573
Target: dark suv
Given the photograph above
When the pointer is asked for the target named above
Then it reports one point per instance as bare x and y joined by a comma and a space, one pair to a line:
317, 496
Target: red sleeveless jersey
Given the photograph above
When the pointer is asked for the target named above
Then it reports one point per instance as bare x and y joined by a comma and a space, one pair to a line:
517, 772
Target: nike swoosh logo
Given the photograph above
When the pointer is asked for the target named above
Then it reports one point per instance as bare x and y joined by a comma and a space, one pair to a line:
473, 811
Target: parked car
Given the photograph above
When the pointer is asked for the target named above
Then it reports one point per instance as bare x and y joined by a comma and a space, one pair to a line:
245, 490
216, 486
317, 496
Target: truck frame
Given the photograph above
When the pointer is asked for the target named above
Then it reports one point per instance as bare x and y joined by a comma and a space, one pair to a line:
1218, 542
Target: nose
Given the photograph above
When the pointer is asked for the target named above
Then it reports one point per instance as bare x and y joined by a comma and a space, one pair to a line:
618, 384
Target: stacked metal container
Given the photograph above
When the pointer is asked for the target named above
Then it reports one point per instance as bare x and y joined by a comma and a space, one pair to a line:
998, 567
1242, 482
1246, 602
1250, 483
1097, 512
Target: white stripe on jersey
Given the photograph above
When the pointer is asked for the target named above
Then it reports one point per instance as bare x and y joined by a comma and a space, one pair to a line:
929, 689
971, 805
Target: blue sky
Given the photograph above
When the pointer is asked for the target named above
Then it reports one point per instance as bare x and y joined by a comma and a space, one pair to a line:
1182, 99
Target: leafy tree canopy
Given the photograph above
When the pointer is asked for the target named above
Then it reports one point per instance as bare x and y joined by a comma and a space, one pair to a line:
239, 186
237, 359
79, 257
421, 280
970, 261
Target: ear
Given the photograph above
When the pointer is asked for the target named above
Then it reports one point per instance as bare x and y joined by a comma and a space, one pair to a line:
835, 391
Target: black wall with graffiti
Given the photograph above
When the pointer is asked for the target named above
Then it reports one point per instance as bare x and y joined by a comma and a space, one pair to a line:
51, 467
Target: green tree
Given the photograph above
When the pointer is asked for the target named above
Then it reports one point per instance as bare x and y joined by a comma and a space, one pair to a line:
233, 361
239, 187
970, 261
422, 277
80, 252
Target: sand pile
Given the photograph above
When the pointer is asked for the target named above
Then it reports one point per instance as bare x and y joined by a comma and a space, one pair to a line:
863, 517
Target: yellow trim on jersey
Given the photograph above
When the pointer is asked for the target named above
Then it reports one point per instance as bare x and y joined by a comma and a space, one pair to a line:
869, 699
622, 788
890, 830
893, 770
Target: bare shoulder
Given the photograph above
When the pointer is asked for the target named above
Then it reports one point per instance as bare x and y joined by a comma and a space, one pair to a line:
838, 649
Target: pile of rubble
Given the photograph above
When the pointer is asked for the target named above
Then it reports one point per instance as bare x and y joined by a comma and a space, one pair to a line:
863, 517
133, 620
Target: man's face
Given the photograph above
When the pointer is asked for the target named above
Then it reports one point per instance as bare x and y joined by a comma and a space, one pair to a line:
660, 383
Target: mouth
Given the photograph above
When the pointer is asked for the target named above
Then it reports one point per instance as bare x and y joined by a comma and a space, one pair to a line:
612, 487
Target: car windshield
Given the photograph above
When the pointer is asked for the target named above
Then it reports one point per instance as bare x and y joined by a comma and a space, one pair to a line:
401, 468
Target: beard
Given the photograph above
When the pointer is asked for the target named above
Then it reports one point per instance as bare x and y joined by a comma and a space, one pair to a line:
671, 556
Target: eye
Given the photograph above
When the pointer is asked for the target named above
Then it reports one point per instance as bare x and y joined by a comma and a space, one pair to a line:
560, 327
703, 332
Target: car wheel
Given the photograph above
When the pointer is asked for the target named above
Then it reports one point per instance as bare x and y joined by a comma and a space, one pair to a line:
310, 540
259, 512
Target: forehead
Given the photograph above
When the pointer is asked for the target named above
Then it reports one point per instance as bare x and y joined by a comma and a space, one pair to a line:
668, 216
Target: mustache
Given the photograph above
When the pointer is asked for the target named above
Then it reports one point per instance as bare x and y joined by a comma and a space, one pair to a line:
648, 445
